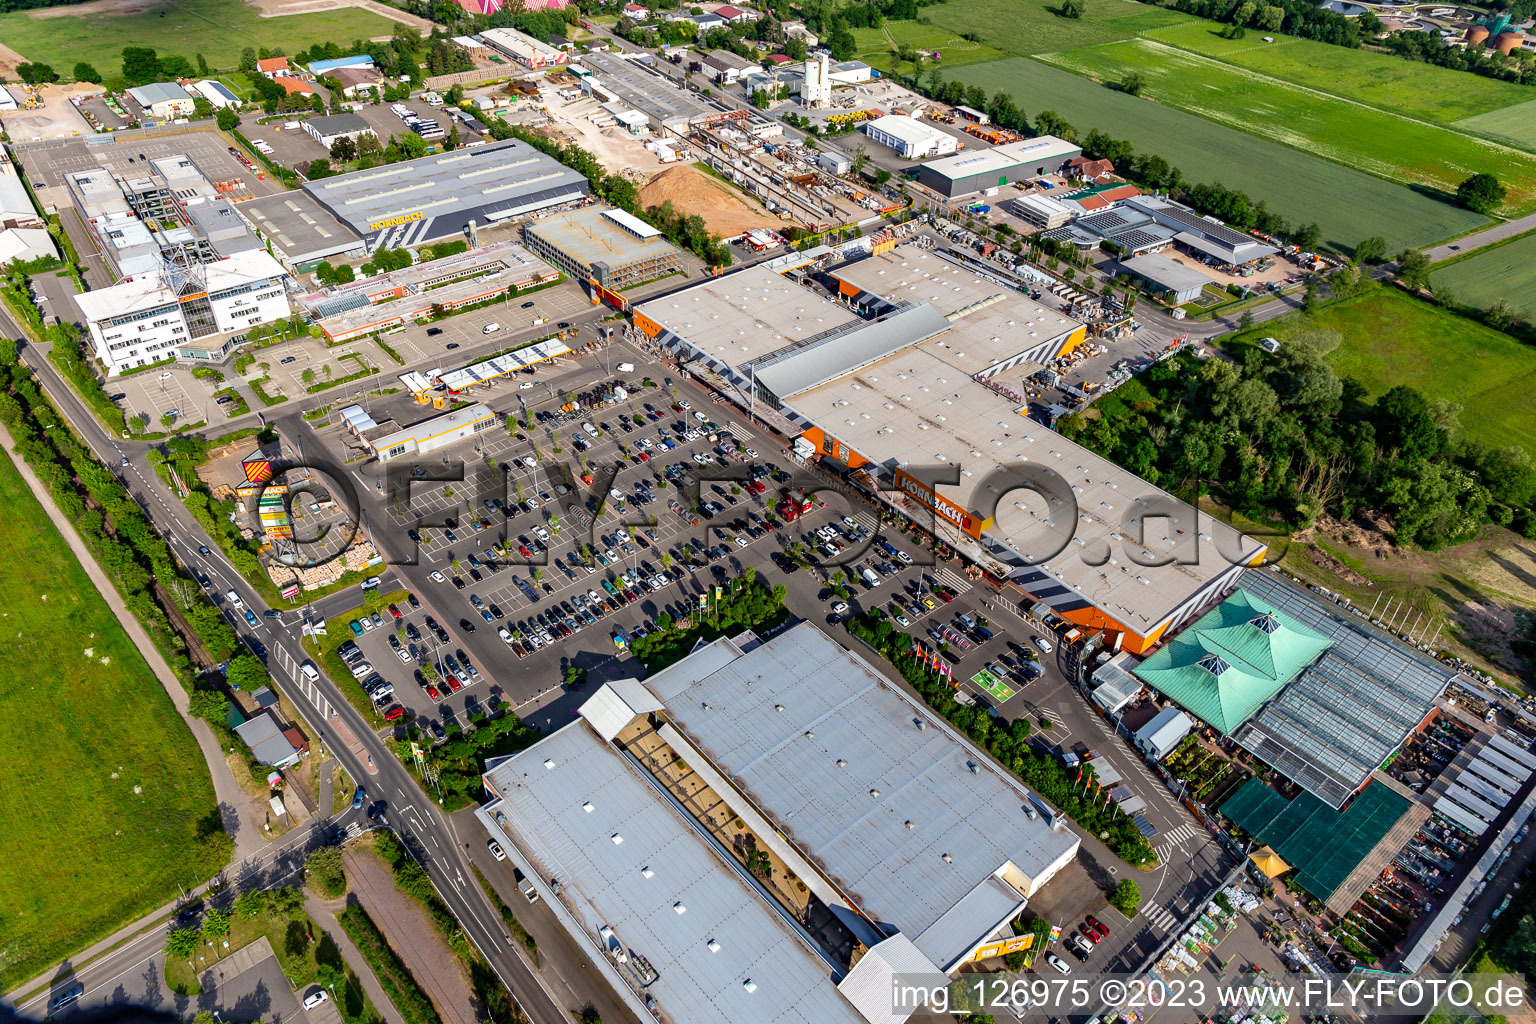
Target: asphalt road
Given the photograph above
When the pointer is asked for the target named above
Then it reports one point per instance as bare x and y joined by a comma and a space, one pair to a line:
426, 830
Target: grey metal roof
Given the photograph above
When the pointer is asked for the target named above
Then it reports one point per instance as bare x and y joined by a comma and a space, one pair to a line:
338, 124
842, 760
1170, 274
302, 228
692, 894
158, 92
830, 355
268, 744
508, 173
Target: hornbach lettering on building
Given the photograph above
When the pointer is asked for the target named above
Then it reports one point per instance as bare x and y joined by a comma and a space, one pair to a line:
950, 511
389, 222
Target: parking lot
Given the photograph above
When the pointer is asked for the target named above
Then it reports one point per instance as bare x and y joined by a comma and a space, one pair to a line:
172, 390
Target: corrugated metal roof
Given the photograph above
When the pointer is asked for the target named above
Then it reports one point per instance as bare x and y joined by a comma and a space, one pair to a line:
870, 785
843, 351
868, 985
634, 865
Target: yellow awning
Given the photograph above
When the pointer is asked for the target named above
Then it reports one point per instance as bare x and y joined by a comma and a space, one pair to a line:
1269, 862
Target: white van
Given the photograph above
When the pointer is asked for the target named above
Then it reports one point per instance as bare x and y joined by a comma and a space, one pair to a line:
589, 428
310, 672
490, 328
625, 367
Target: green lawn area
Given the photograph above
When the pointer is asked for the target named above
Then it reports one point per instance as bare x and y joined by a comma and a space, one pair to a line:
875, 45
1031, 26
1391, 338
1377, 79
1504, 272
218, 29
105, 793
1349, 205
1356, 136
1516, 123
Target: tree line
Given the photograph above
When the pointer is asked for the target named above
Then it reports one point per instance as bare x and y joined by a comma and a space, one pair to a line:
1281, 437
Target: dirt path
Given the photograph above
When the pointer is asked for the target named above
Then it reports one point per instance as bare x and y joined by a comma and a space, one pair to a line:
413, 935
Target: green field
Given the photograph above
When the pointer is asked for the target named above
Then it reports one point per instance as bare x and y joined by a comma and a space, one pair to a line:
105, 791
218, 29
1503, 272
875, 45
1030, 26
1391, 339
1357, 136
1377, 79
1515, 123
1349, 205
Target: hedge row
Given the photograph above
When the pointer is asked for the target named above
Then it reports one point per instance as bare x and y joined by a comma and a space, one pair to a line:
394, 977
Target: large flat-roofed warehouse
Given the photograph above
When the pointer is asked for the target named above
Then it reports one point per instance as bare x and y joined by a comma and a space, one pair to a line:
915, 408
926, 380
299, 230
664, 104
727, 321
610, 246
1017, 161
438, 196
913, 852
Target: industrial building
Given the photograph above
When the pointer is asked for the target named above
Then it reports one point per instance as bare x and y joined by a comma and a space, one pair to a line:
726, 67
1170, 280
299, 231
20, 245
170, 212
16, 209
911, 138
439, 196
199, 311
163, 100
1042, 211
922, 363
1137, 225
218, 94
329, 130
389, 441
970, 173
910, 851
526, 50
426, 290
608, 246
617, 79
320, 68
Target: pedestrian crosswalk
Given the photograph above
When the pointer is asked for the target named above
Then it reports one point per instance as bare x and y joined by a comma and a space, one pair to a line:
868, 521
957, 583
1180, 834
1161, 918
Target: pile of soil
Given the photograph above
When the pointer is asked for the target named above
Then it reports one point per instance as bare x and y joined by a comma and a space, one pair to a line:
694, 193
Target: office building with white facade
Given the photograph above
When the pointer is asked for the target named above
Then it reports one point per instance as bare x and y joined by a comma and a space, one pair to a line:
196, 312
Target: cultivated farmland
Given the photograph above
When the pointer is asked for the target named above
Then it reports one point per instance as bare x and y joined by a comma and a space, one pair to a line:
1031, 26
1503, 272
1515, 123
217, 29
1357, 136
104, 790
1376, 79
876, 44
1348, 204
